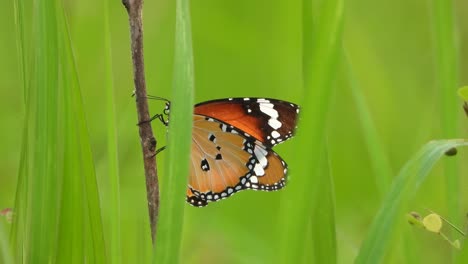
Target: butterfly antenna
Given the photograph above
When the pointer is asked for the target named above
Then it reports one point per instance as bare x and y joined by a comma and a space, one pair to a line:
156, 98
152, 97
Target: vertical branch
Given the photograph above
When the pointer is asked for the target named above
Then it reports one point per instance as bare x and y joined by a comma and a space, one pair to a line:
148, 142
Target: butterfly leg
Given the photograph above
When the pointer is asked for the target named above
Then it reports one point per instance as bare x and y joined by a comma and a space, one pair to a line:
160, 117
159, 150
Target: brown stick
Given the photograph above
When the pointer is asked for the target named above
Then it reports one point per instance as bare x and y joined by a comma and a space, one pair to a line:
148, 142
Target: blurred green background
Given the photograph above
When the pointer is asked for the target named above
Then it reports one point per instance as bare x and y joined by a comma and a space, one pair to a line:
253, 48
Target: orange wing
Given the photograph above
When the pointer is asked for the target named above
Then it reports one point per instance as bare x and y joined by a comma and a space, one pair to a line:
225, 160
268, 120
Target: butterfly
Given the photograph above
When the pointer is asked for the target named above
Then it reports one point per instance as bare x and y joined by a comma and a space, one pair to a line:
232, 141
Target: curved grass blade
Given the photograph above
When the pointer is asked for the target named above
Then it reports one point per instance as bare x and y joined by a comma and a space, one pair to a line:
406, 184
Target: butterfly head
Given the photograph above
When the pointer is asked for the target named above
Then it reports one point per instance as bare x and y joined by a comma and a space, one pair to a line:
167, 110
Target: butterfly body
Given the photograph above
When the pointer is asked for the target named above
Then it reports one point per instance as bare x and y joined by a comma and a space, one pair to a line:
232, 142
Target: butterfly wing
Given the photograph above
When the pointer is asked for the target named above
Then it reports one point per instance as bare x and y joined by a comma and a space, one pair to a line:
270, 121
226, 160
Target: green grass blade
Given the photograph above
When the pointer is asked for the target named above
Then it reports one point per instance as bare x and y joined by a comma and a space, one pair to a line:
447, 76
95, 250
17, 233
5, 253
81, 217
321, 46
379, 160
71, 228
42, 220
324, 236
112, 154
18, 230
20, 43
174, 183
406, 184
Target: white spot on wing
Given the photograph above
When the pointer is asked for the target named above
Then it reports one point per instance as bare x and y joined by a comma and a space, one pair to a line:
269, 110
259, 151
261, 154
263, 161
275, 134
274, 123
258, 169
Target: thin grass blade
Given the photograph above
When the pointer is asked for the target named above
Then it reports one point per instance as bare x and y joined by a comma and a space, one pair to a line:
379, 160
112, 153
174, 183
321, 46
17, 232
5, 252
95, 250
20, 43
324, 233
42, 217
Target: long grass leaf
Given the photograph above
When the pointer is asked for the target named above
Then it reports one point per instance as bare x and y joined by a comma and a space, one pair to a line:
112, 154
42, 221
5, 252
71, 224
379, 160
174, 184
20, 43
324, 235
321, 46
80, 235
94, 234
406, 184
17, 232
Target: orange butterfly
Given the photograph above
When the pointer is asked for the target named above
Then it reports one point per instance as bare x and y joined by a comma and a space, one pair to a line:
232, 142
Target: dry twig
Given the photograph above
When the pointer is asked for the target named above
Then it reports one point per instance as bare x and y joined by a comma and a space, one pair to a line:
148, 142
